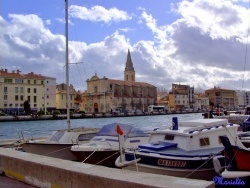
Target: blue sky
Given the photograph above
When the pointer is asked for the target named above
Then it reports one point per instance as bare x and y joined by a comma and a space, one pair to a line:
201, 43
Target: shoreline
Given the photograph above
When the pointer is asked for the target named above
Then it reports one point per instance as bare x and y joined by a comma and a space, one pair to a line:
82, 116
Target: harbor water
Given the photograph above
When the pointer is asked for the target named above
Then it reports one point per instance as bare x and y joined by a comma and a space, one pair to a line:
11, 130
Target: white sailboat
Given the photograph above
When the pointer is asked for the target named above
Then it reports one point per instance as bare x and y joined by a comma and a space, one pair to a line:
59, 143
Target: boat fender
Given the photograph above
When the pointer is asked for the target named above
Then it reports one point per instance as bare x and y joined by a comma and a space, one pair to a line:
217, 166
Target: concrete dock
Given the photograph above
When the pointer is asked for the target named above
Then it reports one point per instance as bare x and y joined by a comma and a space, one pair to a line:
47, 172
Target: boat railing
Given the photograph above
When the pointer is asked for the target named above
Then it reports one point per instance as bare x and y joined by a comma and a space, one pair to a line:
25, 135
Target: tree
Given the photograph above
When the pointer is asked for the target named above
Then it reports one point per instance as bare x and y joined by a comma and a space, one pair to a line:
26, 106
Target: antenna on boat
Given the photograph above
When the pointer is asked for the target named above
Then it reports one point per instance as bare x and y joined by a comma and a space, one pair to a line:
67, 64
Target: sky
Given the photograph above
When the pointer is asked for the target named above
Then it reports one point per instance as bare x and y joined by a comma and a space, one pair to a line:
201, 43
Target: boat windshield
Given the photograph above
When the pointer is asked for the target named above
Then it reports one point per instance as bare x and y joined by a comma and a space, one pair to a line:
128, 130
56, 137
110, 129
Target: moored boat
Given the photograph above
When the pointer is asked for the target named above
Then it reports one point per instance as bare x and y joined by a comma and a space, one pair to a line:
237, 156
103, 148
185, 149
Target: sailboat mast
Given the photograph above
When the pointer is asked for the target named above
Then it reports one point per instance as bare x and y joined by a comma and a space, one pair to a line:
67, 64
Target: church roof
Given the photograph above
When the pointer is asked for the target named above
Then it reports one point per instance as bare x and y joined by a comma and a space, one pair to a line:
130, 83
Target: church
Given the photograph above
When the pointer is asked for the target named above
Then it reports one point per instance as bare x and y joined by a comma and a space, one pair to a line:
107, 95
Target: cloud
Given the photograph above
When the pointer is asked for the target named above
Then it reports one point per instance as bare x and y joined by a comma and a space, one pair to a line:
204, 47
98, 14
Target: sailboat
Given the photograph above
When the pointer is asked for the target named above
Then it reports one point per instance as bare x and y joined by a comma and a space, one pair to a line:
59, 143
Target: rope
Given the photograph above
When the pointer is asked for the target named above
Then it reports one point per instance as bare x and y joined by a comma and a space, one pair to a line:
89, 156
136, 165
56, 151
199, 167
107, 157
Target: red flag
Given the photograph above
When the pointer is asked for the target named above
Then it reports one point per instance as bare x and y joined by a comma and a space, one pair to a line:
119, 130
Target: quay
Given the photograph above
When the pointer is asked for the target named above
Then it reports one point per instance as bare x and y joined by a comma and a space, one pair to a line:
42, 171
232, 118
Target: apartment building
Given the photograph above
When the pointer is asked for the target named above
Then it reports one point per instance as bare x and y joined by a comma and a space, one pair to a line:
16, 88
219, 97
181, 96
243, 98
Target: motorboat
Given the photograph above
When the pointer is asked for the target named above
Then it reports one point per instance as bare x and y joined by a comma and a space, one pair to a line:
183, 149
103, 148
59, 143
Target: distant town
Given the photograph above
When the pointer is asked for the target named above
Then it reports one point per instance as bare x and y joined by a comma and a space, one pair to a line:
39, 93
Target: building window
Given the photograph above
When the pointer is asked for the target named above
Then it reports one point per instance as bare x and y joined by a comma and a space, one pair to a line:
34, 99
21, 89
5, 90
42, 82
95, 90
16, 97
47, 96
29, 98
21, 97
16, 89
28, 81
8, 80
34, 81
10, 105
28, 90
34, 105
5, 97
19, 81
62, 97
34, 90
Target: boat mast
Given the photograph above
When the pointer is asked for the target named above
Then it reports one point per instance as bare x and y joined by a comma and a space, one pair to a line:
67, 64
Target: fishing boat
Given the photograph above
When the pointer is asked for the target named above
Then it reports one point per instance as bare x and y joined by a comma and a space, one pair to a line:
184, 149
59, 143
103, 148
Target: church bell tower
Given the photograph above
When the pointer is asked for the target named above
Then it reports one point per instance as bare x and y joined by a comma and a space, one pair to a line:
129, 73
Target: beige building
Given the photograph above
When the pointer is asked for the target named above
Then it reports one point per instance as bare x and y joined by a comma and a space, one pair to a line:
106, 95
181, 96
222, 98
201, 102
15, 88
61, 100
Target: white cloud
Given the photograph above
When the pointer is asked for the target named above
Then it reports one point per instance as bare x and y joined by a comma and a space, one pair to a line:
98, 14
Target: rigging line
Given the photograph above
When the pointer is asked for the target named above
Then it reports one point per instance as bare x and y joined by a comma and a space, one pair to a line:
82, 82
49, 45
246, 50
81, 78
